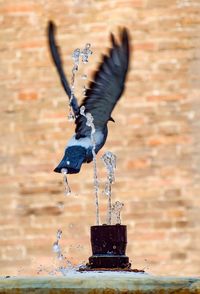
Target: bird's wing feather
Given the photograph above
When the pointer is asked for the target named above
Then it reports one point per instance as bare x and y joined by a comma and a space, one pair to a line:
58, 63
107, 87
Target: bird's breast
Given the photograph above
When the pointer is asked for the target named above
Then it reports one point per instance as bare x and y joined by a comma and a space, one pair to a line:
86, 142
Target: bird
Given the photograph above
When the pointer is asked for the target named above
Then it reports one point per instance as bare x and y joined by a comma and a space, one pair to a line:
101, 97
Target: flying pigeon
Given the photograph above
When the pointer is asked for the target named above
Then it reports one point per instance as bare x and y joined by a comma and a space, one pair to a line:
100, 99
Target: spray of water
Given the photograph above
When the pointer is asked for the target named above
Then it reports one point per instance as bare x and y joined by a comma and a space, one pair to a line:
89, 123
84, 55
56, 246
67, 189
116, 211
86, 52
60, 257
77, 54
75, 57
109, 159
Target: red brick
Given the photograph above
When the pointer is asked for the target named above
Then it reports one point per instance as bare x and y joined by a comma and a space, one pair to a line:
58, 115
176, 213
31, 44
131, 3
174, 97
139, 163
151, 236
168, 140
18, 8
145, 46
28, 96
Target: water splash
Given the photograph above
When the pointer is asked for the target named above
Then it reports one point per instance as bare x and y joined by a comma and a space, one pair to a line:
86, 52
61, 205
56, 246
116, 211
84, 90
67, 189
75, 57
89, 123
84, 77
109, 160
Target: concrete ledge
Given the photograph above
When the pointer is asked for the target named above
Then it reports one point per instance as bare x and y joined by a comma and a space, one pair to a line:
100, 282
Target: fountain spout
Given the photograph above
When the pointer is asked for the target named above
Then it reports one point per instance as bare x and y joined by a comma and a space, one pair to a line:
108, 247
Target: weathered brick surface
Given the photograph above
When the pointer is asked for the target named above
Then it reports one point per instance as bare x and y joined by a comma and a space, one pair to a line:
156, 136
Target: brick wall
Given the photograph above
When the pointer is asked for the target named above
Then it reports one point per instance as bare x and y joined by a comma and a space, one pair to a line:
156, 136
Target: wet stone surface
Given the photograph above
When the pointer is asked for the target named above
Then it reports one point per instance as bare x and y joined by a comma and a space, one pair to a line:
100, 282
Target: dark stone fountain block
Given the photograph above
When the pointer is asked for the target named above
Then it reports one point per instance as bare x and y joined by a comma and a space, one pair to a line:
109, 247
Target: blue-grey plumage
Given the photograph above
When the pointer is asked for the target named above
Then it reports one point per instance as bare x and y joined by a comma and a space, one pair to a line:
101, 97
72, 160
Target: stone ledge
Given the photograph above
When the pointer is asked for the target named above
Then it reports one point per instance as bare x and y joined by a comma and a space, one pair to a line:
100, 282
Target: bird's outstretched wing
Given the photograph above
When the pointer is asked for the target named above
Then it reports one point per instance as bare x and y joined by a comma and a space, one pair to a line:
58, 63
107, 87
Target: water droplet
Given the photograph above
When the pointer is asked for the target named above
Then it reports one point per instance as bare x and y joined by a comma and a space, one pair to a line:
70, 116
64, 171
116, 211
59, 234
60, 204
82, 110
109, 159
76, 55
84, 90
56, 247
84, 77
67, 189
85, 53
89, 122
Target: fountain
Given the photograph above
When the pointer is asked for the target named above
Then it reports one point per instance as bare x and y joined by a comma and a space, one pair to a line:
108, 241
108, 269
108, 247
